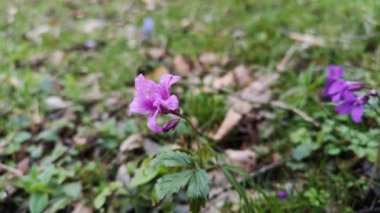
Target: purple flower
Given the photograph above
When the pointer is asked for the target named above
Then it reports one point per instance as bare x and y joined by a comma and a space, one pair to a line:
147, 28
336, 87
153, 99
282, 194
353, 105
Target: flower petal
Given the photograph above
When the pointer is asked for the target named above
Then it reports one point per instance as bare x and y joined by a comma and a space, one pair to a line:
141, 106
167, 80
170, 125
171, 104
335, 72
344, 108
152, 123
336, 87
357, 114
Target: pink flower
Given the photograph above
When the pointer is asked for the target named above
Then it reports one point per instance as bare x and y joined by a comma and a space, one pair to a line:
153, 99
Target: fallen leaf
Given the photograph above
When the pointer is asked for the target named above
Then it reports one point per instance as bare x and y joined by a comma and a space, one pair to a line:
55, 103
57, 57
134, 141
157, 73
156, 53
151, 147
23, 165
81, 208
151, 4
231, 119
259, 91
123, 176
243, 158
181, 65
90, 25
209, 58
242, 76
308, 39
35, 34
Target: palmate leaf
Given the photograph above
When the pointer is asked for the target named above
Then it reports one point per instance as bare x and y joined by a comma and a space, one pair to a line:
197, 192
172, 183
173, 159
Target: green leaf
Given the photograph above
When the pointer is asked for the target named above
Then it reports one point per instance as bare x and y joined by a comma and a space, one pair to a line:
302, 151
48, 136
172, 183
197, 192
59, 204
239, 189
38, 202
142, 176
47, 174
72, 190
197, 204
107, 191
199, 185
173, 159
21, 137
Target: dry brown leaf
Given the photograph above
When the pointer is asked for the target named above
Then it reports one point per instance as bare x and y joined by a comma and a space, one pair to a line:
308, 39
134, 141
242, 75
123, 176
243, 158
55, 103
151, 4
81, 208
209, 58
57, 57
157, 73
156, 53
242, 102
90, 25
23, 165
239, 76
181, 65
151, 147
231, 119
259, 91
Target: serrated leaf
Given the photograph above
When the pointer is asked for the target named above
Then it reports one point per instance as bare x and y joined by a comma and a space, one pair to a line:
38, 202
197, 204
173, 159
142, 176
172, 183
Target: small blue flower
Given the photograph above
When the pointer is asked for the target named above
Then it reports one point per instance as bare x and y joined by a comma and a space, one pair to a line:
147, 28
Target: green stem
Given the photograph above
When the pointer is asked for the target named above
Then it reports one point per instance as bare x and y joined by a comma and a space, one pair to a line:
195, 132
376, 165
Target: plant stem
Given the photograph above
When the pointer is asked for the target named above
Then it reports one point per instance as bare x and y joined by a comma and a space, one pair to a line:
192, 128
376, 165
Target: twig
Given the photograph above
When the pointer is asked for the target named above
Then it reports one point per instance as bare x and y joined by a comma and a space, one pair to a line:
252, 175
299, 112
281, 67
11, 170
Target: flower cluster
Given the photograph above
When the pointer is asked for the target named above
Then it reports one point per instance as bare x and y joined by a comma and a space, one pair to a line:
153, 99
342, 93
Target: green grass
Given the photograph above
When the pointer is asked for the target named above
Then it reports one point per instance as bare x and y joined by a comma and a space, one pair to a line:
255, 33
